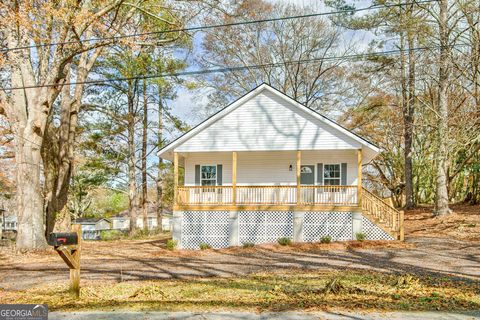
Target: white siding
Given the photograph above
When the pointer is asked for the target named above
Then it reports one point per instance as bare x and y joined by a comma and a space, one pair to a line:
267, 122
268, 167
120, 223
88, 227
102, 225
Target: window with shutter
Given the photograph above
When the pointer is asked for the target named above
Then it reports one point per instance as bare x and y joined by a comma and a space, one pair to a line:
332, 174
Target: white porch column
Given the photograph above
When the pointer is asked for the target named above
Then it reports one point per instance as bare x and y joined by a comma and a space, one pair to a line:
233, 229
177, 228
357, 224
298, 219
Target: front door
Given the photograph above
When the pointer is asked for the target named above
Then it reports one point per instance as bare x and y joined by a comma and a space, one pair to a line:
307, 177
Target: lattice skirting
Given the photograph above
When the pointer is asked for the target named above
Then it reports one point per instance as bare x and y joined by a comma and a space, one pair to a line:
337, 225
264, 226
373, 232
221, 229
209, 227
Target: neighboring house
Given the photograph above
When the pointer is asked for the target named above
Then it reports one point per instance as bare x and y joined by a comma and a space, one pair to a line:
8, 222
121, 221
267, 167
8, 225
8, 218
92, 227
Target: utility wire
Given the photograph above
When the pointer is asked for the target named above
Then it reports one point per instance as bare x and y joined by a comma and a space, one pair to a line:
197, 28
227, 69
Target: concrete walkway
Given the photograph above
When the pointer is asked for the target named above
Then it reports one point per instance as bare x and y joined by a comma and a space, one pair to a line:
262, 316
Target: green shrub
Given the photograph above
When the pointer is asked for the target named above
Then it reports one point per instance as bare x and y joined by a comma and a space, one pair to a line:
360, 236
205, 246
171, 244
326, 239
248, 245
110, 235
284, 241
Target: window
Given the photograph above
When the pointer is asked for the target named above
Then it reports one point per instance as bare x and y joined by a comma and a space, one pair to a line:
331, 174
306, 169
208, 175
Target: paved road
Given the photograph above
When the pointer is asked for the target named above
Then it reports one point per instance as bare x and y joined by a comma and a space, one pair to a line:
262, 316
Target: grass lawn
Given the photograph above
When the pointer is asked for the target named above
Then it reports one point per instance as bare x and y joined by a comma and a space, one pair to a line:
289, 290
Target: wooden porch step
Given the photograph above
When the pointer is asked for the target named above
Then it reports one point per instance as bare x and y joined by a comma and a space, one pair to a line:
382, 214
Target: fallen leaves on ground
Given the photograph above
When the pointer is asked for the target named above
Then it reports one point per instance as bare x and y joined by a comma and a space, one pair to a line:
462, 224
295, 289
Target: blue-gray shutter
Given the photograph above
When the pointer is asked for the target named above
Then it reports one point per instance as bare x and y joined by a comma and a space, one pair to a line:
344, 174
219, 174
320, 174
197, 174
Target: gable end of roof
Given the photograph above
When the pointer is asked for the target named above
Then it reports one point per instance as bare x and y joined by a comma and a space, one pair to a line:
249, 95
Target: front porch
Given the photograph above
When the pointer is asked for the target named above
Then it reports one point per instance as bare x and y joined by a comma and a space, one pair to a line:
305, 186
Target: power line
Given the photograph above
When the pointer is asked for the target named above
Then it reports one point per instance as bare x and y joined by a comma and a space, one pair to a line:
225, 69
197, 28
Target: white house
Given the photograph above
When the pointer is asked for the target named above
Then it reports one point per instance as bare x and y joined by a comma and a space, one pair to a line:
153, 222
121, 221
8, 222
92, 227
267, 167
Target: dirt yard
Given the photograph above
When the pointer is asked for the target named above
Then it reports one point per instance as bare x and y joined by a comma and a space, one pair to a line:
463, 224
434, 246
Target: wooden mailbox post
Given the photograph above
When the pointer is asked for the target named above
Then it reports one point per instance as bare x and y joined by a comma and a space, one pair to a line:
70, 253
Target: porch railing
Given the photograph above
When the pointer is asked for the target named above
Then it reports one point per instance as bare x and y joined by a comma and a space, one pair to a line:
338, 195
267, 195
205, 195
381, 212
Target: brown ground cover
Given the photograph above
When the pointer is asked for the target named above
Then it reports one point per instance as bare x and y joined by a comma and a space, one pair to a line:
463, 224
435, 248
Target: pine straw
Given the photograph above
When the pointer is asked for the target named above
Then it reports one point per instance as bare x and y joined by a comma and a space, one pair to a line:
316, 246
463, 224
139, 249
287, 290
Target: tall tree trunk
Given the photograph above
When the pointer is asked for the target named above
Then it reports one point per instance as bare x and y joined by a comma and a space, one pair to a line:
407, 146
27, 111
29, 130
408, 119
159, 181
441, 200
60, 160
144, 156
132, 183
29, 195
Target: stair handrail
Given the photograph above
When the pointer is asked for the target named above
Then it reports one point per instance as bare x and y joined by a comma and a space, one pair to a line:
384, 213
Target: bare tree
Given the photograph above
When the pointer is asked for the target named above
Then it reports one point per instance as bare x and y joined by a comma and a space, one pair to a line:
43, 69
276, 47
